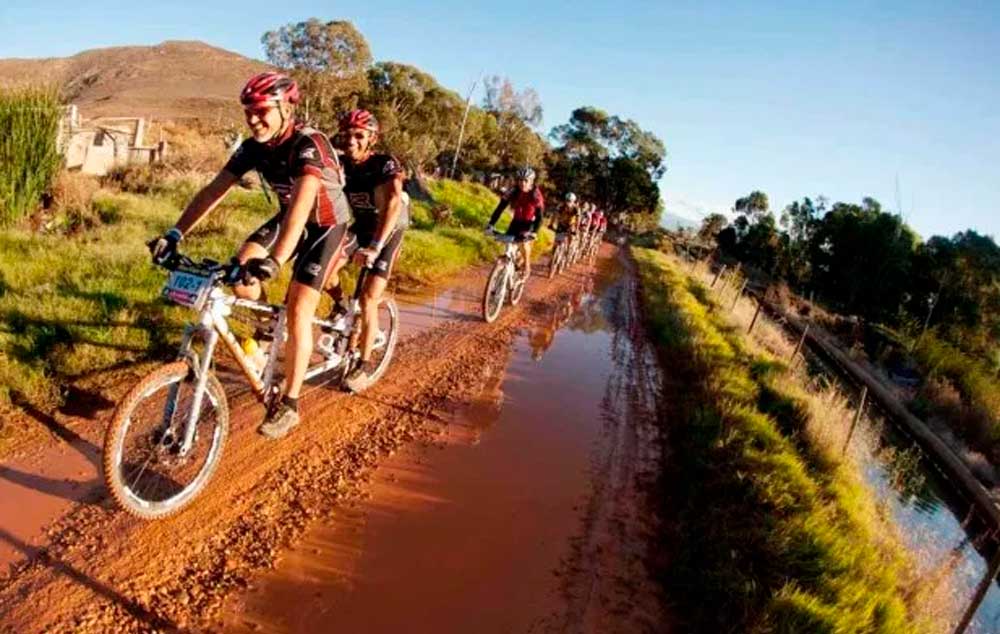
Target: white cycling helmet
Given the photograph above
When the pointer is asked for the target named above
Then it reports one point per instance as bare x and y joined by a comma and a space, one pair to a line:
526, 173
570, 197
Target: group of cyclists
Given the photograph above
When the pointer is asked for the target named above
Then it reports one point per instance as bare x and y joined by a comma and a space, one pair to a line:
583, 224
338, 201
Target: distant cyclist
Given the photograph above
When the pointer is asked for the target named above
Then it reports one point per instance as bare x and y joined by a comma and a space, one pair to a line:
599, 224
565, 219
375, 191
300, 165
528, 206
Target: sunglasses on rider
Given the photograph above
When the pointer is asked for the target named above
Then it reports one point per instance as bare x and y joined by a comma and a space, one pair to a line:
260, 111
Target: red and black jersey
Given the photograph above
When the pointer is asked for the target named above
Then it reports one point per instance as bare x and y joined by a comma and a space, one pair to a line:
526, 206
305, 151
362, 179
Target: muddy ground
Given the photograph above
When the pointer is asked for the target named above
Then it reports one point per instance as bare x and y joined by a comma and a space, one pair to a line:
71, 562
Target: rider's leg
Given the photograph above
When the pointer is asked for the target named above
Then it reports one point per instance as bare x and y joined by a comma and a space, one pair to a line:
526, 254
320, 249
376, 281
302, 302
374, 288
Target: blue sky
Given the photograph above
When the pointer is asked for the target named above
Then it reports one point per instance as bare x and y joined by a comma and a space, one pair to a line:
795, 99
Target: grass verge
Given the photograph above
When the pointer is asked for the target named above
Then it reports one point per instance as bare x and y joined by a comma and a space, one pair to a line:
76, 303
775, 533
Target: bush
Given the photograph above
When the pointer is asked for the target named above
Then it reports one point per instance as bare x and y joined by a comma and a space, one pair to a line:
73, 200
29, 158
195, 148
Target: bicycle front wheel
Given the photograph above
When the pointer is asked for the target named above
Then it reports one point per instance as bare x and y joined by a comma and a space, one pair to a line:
385, 339
555, 261
493, 296
144, 468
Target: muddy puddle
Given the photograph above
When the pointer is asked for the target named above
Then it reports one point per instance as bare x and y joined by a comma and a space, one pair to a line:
37, 490
504, 519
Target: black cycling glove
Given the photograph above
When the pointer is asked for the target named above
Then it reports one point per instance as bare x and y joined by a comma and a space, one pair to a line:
262, 269
165, 246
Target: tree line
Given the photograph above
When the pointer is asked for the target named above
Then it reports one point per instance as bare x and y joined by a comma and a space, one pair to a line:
599, 156
861, 259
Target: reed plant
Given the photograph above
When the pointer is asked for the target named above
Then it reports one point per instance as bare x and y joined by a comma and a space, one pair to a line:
29, 156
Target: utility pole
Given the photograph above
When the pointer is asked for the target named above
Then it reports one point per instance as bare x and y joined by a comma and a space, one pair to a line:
461, 130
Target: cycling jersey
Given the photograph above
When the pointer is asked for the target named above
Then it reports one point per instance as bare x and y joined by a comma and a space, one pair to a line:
598, 221
362, 179
528, 208
303, 151
566, 218
526, 205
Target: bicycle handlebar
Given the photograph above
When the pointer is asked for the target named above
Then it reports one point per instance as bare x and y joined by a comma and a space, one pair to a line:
503, 237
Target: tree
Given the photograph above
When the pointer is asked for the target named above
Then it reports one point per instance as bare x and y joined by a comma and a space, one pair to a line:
328, 59
800, 220
418, 116
711, 226
515, 112
957, 282
608, 159
754, 204
860, 258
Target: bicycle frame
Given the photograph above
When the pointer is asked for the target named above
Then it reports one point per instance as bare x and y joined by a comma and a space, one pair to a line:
212, 326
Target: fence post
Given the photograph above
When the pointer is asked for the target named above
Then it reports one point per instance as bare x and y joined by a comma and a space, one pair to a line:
756, 313
857, 417
718, 275
977, 598
739, 293
802, 340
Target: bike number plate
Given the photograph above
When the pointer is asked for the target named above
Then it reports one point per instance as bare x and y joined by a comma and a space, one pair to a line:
186, 289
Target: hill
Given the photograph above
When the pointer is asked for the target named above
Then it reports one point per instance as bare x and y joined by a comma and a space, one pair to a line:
675, 222
172, 80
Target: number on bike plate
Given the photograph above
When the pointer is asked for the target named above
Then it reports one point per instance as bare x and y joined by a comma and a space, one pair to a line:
184, 288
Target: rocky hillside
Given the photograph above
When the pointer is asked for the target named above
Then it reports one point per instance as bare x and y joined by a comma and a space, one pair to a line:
172, 80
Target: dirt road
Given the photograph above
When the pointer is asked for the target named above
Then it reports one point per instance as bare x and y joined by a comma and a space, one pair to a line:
275, 508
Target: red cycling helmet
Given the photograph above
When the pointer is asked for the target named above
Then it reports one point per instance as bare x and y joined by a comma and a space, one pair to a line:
269, 86
359, 119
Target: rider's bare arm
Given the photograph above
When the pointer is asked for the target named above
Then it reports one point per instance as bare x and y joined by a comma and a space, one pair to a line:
389, 201
300, 205
499, 210
206, 200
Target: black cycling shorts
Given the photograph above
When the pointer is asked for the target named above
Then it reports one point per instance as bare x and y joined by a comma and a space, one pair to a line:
517, 227
318, 250
386, 258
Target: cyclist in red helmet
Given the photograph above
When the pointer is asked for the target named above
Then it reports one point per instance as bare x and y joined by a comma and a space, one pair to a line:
302, 168
381, 214
528, 206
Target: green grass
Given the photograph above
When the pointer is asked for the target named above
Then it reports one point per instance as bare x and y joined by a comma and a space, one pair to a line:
72, 305
29, 121
775, 536
432, 253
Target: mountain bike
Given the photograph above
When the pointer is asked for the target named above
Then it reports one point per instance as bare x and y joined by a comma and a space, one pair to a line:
166, 436
559, 259
591, 244
506, 280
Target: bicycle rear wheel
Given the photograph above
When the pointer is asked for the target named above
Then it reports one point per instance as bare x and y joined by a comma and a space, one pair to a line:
493, 295
143, 467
